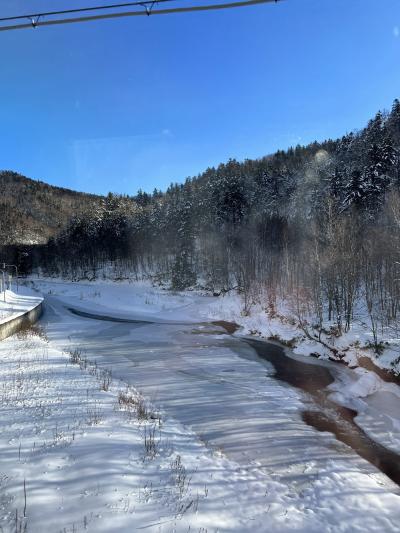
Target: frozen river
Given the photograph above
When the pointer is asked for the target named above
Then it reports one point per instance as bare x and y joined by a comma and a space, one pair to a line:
264, 416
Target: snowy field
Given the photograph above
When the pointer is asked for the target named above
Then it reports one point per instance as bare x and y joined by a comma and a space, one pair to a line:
177, 427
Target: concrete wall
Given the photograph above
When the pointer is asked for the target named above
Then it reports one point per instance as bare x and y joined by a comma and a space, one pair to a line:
15, 324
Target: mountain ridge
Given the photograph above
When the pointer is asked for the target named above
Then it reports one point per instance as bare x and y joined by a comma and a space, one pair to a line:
32, 211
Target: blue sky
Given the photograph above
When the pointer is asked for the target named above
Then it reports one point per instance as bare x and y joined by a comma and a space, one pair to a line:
137, 103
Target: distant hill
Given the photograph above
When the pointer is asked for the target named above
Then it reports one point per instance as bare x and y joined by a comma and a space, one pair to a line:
32, 211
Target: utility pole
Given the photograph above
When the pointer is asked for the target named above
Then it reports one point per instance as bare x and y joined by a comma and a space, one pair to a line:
4, 285
16, 272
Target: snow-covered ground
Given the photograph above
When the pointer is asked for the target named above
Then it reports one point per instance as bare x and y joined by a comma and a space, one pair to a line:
14, 304
74, 457
232, 452
362, 390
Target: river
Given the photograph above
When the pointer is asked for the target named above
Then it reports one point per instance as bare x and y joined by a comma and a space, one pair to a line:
246, 398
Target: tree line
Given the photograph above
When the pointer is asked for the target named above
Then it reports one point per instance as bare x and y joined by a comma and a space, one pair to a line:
318, 225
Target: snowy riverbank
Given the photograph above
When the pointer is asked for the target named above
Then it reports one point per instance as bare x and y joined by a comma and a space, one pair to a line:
275, 322
141, 299
281, 323
78, 437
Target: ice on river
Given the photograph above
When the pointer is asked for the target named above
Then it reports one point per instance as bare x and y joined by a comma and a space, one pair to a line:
216, 388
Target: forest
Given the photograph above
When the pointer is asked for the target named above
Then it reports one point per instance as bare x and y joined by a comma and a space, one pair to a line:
32, 211
317, 225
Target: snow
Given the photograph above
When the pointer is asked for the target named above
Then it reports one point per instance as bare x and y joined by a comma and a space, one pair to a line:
377, 402
85, 465
252, 463
368, 383
16, 304
141, 299
282, 325
125, 299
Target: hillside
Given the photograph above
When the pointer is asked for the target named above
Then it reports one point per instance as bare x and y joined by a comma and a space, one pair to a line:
32, 211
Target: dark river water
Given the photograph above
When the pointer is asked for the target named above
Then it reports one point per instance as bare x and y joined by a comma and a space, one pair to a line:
328, 416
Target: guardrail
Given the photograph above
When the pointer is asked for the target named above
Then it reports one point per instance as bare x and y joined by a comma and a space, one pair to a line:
15, 324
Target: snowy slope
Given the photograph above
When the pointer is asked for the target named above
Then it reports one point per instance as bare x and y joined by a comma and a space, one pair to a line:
16, 304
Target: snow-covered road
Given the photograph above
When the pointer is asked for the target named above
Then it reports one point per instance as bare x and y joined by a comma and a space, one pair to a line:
215, 385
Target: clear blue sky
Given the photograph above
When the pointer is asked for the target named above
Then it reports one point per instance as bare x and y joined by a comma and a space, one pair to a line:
137, 103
